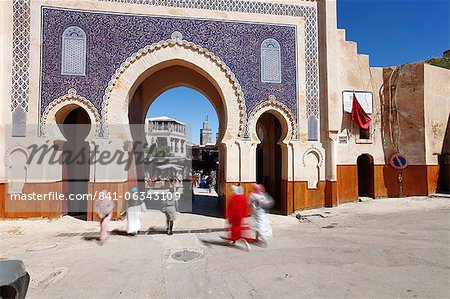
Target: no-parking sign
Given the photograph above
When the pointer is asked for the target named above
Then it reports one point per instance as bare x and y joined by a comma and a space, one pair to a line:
399, 161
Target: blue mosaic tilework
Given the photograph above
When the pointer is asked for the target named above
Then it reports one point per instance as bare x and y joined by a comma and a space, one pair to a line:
111, 38
21, 55
298, 10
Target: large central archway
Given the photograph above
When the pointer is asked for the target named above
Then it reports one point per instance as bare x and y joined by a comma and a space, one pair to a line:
174, 75
151, 59
157, 68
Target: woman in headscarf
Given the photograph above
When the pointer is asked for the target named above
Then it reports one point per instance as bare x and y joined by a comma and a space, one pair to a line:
236, 212
104, 207
261, 201
134, 211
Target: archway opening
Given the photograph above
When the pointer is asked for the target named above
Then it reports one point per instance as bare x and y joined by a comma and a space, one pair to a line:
75, 125
178, 114
269, 158
365, 176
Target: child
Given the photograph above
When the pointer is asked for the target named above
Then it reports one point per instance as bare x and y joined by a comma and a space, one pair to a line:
170, 209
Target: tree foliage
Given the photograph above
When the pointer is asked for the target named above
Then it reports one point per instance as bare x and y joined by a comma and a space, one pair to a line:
443, 62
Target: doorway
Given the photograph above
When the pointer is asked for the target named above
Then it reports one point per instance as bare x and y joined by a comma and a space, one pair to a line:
443, 185
75, 125
365, 176
269, 157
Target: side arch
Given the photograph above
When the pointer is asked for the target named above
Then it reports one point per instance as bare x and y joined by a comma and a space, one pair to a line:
48, 120
16, 167
281, 111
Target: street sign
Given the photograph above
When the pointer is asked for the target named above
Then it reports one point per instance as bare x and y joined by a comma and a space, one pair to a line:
399, 161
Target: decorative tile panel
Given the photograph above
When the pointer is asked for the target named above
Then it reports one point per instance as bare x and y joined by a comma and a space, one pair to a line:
73, 52
112, 38
311, 31
21, 55
21, 43
270, 61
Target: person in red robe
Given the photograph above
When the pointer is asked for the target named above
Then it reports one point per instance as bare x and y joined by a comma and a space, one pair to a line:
237, 211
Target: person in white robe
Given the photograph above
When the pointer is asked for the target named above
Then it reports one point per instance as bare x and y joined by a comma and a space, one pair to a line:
260, 201
134, 211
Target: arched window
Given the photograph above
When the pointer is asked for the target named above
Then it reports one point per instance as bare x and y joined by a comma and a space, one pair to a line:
312, 128
270, 61
19, 122
73, 52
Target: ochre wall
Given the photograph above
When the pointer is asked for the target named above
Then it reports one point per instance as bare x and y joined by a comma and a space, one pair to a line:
432, 175
287, 196
53, 209
417, 180
2, 200
347, 176
305, 198
31, 208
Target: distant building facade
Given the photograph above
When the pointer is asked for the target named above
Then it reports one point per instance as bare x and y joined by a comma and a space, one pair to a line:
169, 133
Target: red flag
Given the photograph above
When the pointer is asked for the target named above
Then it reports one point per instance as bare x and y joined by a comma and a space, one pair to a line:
359, 115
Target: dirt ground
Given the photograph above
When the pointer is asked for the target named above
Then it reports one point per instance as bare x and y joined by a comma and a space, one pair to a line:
378, 248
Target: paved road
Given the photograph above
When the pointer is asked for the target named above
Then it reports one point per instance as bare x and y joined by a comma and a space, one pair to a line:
376, 249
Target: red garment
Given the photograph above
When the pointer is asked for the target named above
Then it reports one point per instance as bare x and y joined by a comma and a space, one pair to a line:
359, 115
237, 211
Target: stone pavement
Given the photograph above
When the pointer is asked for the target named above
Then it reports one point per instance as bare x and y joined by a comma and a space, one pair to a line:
374, 249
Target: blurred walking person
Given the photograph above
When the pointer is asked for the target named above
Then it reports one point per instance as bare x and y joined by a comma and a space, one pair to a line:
134, 211
209, 183
104, 207
236, 213
260, 202
170, 208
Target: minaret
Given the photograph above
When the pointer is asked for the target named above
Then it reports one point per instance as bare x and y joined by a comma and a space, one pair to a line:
205, 133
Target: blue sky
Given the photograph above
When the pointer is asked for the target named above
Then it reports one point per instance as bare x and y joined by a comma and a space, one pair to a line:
392, 32
188, 106
395, 32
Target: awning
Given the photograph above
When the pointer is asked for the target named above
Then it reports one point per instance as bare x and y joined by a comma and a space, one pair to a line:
169, 166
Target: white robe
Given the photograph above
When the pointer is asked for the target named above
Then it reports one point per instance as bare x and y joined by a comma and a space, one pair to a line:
134, 219
262, 222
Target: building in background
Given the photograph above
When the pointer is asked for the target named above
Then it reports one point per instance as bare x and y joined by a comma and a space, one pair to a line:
205, 158
168, 135
205, 133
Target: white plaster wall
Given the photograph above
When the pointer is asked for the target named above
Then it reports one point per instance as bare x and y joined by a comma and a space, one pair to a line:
355, 74
36, 172
437, 109
301, 171
5, 81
